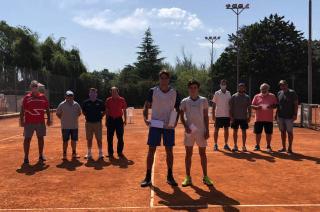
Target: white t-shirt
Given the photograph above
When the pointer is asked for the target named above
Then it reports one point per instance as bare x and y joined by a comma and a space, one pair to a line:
194, 111
222, 103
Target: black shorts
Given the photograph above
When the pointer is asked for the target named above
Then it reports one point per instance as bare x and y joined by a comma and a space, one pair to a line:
222, 122
240, 122
258, 127
67, 133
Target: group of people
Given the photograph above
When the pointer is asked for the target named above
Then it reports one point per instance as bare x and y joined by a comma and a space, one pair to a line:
94, 109
235, 111
227, 110
166, 108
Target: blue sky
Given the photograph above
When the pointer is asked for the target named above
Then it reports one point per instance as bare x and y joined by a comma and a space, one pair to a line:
107, 32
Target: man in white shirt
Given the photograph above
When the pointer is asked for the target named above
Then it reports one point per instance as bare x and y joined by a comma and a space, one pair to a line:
163, 100
196, 125
221, 114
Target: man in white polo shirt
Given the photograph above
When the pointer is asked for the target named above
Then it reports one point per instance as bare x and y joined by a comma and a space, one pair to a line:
221, 114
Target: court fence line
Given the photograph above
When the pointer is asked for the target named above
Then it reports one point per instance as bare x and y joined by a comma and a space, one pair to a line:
14, 84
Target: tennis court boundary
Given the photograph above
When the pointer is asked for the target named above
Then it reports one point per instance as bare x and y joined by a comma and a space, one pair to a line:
8, 138
152, 181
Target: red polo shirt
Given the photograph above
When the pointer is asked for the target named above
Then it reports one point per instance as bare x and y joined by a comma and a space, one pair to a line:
115, 106
34, 107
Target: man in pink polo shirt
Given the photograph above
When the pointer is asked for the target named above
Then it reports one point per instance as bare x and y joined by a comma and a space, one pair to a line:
264, 103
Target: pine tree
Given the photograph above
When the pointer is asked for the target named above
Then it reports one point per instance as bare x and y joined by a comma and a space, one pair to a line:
148, 62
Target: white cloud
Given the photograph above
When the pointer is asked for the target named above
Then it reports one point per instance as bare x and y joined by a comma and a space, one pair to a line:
215, 45
172, 13
179, 17
193, 22
139, 19
102, 22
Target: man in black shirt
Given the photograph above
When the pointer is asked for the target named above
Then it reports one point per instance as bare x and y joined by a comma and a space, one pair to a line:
286, 114
94, 110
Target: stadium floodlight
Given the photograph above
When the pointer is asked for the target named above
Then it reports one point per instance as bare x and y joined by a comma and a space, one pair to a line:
237, 9
212, 40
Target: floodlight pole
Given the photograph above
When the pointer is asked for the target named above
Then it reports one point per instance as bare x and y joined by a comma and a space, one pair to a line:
237, 9
212, 40
310, 55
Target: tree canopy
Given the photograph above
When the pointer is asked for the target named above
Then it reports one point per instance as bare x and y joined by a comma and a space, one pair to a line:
270, 50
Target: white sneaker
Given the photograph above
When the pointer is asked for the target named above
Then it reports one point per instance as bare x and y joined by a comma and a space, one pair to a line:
88, 156
269, 150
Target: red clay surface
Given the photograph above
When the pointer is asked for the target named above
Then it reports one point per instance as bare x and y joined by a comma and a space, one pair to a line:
253, 181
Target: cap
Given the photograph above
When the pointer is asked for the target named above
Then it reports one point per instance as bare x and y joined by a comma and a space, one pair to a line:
283, 82
34, 83
69, 93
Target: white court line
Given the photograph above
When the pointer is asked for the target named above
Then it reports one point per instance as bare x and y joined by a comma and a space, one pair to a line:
10, 137
164, 206
152, 181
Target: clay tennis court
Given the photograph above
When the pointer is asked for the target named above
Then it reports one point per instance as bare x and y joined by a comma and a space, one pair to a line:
253, 181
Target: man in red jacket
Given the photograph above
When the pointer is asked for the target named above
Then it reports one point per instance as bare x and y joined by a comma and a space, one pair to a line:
115, 108
32, 119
